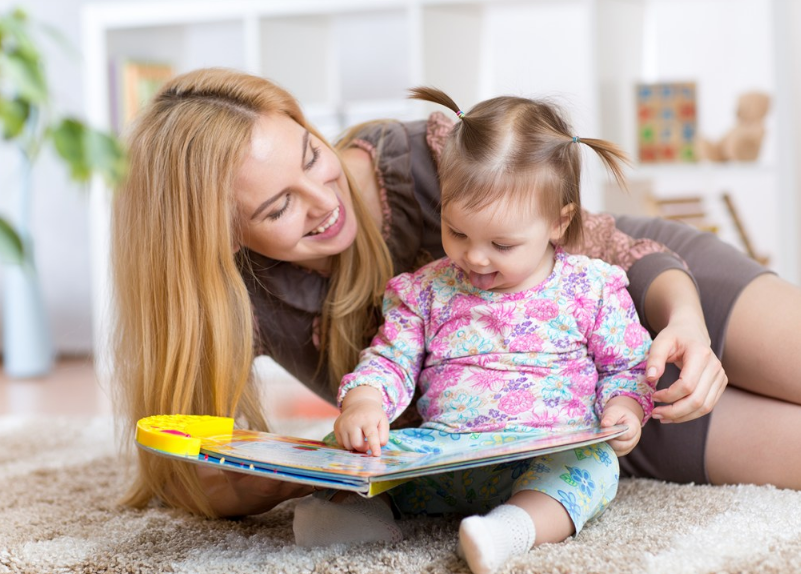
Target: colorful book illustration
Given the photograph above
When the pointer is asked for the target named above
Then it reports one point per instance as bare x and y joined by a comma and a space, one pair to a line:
213, 441
666, 122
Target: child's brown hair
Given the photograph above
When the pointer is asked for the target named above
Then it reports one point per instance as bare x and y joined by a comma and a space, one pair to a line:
508, 147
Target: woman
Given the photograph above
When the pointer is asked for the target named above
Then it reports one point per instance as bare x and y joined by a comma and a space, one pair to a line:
241, 231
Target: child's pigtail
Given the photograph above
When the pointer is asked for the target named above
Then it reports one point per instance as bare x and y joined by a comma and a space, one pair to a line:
436, 96
466, 131
611, 155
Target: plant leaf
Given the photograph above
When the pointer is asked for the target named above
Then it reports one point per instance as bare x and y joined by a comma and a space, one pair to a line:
24, 91
106, 156
11, 249
14, 29
13, 115
68, 139
23, 73
88, 151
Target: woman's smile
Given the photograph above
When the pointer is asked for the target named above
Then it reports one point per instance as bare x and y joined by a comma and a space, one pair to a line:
331, 226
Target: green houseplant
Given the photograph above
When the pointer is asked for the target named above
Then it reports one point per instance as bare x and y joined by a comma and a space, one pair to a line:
28, 122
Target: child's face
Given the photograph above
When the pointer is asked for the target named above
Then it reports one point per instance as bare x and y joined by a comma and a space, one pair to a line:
502, 247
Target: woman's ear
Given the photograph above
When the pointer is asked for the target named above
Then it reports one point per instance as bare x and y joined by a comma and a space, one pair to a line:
562, 222
236, 237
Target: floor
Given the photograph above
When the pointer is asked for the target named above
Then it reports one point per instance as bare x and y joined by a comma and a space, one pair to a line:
72, 388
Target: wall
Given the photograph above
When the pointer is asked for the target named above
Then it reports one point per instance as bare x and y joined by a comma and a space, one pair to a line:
60, 218
792, 17
60, 215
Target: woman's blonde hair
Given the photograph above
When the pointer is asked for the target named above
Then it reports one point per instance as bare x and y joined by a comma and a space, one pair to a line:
510, 146
183, 338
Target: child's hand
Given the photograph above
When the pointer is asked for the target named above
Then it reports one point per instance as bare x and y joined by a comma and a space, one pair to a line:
362, 426
622, 410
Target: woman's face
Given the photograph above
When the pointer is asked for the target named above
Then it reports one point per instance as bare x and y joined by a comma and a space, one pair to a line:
293, 197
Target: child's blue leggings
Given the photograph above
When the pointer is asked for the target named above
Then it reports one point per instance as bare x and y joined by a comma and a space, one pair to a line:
584, 480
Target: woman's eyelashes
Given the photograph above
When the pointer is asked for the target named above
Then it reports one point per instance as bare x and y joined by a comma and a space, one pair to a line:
315, 155
498, 246
276, 214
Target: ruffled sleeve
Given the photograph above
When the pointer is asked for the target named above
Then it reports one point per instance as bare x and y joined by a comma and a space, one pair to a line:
642, 259
402, 225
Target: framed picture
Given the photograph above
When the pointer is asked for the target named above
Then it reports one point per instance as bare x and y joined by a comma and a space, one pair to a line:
666, 122
134, 83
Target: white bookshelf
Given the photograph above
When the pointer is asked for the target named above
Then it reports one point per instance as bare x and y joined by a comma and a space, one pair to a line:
353, 60
727, 47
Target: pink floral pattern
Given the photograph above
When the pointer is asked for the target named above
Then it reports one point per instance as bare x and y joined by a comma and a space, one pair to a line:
487, 361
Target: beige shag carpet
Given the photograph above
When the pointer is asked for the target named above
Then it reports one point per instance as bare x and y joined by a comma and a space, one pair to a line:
60, 479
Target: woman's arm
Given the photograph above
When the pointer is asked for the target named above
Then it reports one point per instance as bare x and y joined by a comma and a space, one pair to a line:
667, 301
673, 310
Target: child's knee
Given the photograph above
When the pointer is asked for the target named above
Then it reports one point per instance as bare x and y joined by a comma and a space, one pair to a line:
583, 480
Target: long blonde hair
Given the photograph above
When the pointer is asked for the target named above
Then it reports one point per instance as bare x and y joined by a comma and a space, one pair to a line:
183, 338
509, 146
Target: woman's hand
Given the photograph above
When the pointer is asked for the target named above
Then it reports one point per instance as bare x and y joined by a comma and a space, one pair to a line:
363, 426
702, 379
674, 311
233, 494
623, 410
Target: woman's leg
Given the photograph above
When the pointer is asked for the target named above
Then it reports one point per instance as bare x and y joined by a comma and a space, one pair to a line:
760, 407
763, 340
754, 439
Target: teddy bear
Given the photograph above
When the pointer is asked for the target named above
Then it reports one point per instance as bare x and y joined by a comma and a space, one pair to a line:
744, 140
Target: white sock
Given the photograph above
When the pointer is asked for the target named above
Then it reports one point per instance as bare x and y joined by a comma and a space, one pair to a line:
487, 542
356, 519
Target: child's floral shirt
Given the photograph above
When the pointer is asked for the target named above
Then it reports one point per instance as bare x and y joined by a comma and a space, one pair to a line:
549, 357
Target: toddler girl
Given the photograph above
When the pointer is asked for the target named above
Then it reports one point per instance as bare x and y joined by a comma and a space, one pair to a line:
506, 337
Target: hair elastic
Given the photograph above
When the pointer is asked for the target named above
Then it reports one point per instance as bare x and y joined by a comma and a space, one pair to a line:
576, 139
459, 114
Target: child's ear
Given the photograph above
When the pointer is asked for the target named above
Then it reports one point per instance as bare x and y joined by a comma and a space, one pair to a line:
563, 221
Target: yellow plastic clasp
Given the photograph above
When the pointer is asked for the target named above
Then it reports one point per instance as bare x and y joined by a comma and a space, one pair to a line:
180, 434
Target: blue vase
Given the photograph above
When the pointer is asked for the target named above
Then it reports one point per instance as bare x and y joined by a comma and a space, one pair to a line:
27, 346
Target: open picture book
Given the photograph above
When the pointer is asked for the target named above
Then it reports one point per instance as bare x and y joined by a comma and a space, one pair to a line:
213, 441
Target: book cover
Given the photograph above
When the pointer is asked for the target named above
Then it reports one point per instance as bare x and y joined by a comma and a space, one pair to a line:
214, 441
